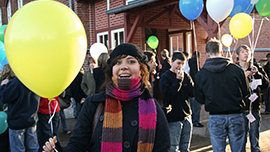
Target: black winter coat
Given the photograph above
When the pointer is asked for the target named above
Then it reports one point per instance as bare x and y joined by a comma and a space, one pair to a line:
83, 130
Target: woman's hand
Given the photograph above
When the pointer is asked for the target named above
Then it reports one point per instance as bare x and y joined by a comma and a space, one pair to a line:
50, 145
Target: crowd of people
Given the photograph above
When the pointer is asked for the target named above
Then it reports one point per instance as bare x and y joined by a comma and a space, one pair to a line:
115, 108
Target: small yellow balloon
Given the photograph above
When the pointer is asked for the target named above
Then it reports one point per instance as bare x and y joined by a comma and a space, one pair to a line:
226, 40
240, 25
46, 46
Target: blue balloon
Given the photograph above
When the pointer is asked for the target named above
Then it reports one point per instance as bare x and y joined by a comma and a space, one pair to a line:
4, 62
249, 9
2, 51
191, 9
240, 6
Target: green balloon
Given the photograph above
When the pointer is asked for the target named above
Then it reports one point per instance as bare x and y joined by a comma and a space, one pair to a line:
153, 42
2, 30
263, 7
3, 122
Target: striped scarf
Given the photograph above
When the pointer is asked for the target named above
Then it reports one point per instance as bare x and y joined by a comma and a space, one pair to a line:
112, 131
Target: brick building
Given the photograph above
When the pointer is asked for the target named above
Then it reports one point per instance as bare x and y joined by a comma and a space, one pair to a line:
112, 22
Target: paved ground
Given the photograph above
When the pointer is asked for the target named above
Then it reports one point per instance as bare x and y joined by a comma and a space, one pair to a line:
200, 139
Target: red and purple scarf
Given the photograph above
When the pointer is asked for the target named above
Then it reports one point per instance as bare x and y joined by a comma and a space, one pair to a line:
112, 131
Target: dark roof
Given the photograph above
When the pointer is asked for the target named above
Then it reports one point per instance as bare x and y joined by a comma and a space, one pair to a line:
132, 4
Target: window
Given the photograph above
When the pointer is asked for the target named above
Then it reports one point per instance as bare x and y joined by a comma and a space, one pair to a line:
117, 37
9, 10
1, 17
103, 38
108, 4
20, 3
176, 42
189, 43
130, 1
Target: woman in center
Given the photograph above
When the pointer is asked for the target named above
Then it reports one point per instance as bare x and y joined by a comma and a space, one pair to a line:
131, 120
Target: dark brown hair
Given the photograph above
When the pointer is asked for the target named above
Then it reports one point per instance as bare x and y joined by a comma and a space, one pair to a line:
109, 75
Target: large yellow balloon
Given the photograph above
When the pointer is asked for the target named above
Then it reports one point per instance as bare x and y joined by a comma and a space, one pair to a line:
46, 46
240, 25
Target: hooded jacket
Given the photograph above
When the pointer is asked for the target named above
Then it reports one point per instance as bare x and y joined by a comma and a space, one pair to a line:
222, 86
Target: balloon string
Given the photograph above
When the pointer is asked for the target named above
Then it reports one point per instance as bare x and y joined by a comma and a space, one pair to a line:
51, 116
218, 31
259, 31
229, 50
249, 40
253, 31
195, 43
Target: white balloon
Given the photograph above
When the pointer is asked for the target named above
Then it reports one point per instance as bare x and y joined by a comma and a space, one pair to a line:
219, 9
254, 1
96, 49
226, 40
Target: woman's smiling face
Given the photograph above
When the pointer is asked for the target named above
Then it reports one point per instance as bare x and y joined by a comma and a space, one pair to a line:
126, 67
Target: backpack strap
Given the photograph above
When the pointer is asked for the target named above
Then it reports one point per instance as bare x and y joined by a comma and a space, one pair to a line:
95, 121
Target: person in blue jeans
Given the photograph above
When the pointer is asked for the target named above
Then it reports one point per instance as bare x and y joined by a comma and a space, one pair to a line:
176, 87
22, 115
254, 74
224, 89
194, 67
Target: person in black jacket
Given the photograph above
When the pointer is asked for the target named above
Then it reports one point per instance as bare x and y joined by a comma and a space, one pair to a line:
257, 80
22, 115
223, 87
131, 119
194, 67
176, 87
77, 92
99, 72
266, 94
165, 64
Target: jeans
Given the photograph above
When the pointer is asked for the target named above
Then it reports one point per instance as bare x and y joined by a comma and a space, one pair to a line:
254, 131
44, 129
63, 120
227, 125
180, 135
196, 110
73, 104
23, 140
78, 108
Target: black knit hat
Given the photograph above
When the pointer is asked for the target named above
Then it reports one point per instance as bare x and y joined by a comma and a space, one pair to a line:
128, 49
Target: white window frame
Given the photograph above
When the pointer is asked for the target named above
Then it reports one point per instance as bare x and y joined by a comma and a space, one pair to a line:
189, 43
9, 10
1, 22
20, 4
108, 4
112, 36
103, 34
127, 1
